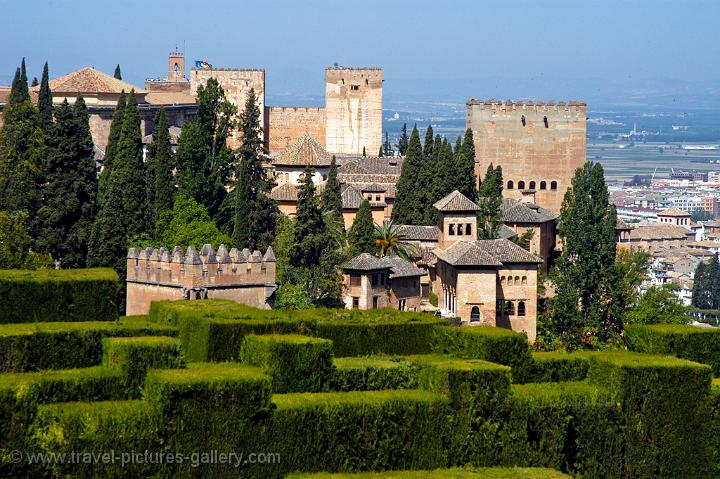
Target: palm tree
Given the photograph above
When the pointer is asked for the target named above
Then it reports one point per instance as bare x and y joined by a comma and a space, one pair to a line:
390, 241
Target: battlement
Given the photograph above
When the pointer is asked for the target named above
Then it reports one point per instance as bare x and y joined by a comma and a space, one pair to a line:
309, 109
529, 105
208, 269
354, 68
213, 69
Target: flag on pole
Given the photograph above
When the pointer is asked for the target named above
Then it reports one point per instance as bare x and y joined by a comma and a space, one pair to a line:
202, 64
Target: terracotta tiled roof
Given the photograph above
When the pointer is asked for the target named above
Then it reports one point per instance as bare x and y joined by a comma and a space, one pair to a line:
506, 232
289, 192
174, 136
371, 166
658, 231
621, 225
673, 212
456, 201
170, 98
89, 80
485, 253
399, 268
419, 233
305, 151
524, 212
365, 262
351, 197
372, 188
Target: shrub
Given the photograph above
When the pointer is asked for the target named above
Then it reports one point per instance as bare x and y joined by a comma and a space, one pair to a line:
569, 426
455, 473
37, 346
477, 391
714, 426
135, 356
296, 363
58, 295
663, 405
372, 373
558, 366
497, 345
687, 342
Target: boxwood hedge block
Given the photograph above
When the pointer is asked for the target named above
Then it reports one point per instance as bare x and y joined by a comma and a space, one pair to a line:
497, 345
687, 342
135, 356
454, 473
558, 366
296, 363
664, 406
58, 295
37, 346
574, 426
373, 373
714, 426
355, 431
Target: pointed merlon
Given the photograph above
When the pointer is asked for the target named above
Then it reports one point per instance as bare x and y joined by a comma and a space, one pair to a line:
177, 255
269, 255
132, 253
256, 257
191, 257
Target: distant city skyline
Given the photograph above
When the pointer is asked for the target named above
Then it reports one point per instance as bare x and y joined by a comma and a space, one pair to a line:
615, 52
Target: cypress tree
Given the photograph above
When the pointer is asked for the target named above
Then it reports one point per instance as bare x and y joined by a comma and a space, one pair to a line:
35, 82
332, 197
308, 225
161, 157
45, 102
465, 167
388, 148
69, 195
113, 139
117, 74
701, 282
428, 145
490, 217
361, 236
380, 153
255, 211
403, 142
407, 209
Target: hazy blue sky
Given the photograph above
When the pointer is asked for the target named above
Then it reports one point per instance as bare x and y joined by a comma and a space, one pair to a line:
601, 49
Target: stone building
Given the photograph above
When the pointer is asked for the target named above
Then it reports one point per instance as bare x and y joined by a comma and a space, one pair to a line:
482, 282
655, 236
155, 275
674, 216
370, 283
521, 217
539, 146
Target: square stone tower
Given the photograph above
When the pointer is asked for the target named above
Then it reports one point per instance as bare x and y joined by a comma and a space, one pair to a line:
176, 66
353, 109
539, 146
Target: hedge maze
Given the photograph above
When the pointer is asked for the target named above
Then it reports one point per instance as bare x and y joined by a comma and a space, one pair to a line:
344, 394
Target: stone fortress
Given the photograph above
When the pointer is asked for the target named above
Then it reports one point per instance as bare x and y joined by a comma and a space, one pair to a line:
159, 274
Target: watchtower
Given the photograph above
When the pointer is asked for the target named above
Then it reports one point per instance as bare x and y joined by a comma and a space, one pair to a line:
176, 66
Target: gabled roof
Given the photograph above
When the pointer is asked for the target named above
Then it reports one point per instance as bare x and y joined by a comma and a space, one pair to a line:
659, 231
89, 80
506, 232
456, 201
370, 166
174, 135
365, 262
524, 212
306, 151
419, 233
485, 253
399, 268
351, 197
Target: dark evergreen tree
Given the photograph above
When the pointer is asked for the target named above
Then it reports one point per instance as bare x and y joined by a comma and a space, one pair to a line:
113, 140
308, 226
34, 82
701, 297
161, 162
22, 152
255, 212
361, 237
464, 170
332, 197
407, 208
403, 142
585, 277
387, 148
429, 143
69, 194
118, 74
713, 284
443, 179
490, 217
380, 153
45, 102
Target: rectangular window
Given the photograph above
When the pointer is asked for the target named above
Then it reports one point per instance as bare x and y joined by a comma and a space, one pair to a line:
354, 280
401, 305
451, 230
354, 87
460, 229
376, 300
468, 229
356, 302
382, 280
377, 198
375, 280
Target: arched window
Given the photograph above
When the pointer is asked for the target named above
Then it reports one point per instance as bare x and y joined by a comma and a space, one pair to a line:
509, 308
522, 119
553, 185
459, 229
517, 280
521, 185
521, 308
545, 120
524, 280
502, 280
468, 229
543, 185
475, 314
532, 185
510, 185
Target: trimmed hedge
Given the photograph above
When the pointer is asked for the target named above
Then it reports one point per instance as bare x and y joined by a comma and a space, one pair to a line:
664, 408
58, 295
296, 363
573, 426
477, 391
558, 366
497, 345
372, 373
687, 342
38, 346
714, 426
135, 356
455, 473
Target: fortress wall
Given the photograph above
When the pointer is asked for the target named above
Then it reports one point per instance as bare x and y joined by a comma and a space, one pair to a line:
286, 125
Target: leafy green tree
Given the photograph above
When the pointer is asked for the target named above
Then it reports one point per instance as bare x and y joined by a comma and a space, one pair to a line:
70, 192
390, 241
361, 236
403, 141
113, 140
22, 152
118, 74
658, 305
408, 206
188, 223
587, 302
255, 212
331, 196
490, 216
632, 266
282, 245
45, 102
160, 163
15, 244
291, 296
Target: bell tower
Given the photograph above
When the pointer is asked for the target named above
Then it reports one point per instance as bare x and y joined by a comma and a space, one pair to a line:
176, 66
